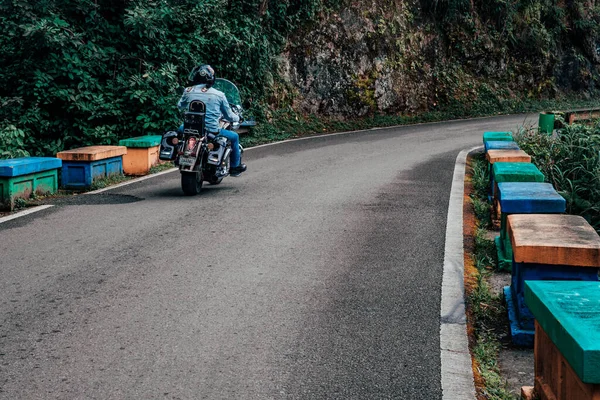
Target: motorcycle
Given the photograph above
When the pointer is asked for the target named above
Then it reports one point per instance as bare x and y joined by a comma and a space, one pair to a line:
202, 156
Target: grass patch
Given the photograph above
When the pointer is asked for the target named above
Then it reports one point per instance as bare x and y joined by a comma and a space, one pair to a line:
485, 310
102, 183
163, 166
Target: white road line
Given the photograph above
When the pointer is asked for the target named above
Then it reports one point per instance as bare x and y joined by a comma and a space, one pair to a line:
24, 213
136, 180
457, 372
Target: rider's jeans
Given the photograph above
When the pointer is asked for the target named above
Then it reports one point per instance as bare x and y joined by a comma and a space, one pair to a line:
235, 146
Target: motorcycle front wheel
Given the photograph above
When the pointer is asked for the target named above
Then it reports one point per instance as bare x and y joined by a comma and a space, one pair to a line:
191, 183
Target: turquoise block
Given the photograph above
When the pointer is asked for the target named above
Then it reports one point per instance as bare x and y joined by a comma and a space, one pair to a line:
501, 145
142, 141
569, 313
523, 272
28, 165
530, 198
497, 136
513, 172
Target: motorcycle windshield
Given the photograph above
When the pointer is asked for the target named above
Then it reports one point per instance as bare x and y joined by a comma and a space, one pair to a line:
231, 91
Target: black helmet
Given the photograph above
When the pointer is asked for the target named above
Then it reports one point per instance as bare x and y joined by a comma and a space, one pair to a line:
203, 74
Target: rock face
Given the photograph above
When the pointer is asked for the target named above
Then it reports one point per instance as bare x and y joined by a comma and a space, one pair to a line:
396, 57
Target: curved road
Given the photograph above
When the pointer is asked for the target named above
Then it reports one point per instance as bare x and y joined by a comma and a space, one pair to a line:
316, 275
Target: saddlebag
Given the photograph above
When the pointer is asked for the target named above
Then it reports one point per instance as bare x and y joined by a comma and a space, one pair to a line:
168, 150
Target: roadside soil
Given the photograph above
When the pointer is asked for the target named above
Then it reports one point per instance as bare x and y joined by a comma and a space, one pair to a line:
516, 364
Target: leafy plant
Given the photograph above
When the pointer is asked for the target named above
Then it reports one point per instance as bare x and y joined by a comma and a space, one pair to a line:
571, 162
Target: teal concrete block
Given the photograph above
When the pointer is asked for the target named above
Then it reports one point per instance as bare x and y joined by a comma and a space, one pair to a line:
142, 141
516, 172
569, 313
497, 137
513, 172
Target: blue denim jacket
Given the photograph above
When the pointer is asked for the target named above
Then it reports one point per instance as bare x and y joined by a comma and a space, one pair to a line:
217, 106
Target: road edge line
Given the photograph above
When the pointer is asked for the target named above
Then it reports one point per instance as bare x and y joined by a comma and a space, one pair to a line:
25, 212
456, 364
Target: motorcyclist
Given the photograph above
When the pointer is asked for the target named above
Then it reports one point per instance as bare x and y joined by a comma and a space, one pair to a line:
201, 80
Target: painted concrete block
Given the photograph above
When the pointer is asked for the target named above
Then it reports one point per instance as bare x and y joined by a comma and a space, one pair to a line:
81, 174
530, 198
513, 172
142, 154
500, 145
27, 165
554, 239
523, 198
520, 336
555, 379
522, 272
92, 153
494, 156
549, 247
20, 177
569, 314
497, 136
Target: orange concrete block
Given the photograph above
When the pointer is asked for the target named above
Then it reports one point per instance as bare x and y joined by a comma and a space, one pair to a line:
138, 161
494, 156
92, 153
553, 239
554, 377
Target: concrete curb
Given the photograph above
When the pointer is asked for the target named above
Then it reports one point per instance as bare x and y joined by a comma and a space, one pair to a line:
457, 370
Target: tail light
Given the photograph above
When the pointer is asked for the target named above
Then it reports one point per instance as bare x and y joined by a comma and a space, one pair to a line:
191, 144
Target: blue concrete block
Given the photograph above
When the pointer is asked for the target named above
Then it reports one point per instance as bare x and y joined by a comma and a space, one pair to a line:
27, 165
501, 145
519, 336
530, 198
522, 272
81, 174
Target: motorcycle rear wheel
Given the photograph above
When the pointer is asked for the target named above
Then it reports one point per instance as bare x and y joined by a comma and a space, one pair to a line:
191, 183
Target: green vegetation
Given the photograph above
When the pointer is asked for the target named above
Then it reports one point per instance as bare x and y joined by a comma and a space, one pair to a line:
161, 167
486, 309
77, 72
101, 183
570, 160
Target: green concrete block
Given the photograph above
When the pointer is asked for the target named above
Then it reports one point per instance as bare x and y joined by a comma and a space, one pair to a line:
22, 186
569, 313
497, 137
516, 172
141, 141
504, 261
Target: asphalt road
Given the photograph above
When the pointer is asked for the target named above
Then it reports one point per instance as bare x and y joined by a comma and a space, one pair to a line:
315, 275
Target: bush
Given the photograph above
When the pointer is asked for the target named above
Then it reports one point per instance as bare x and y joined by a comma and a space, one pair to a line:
77, 72
571, 162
